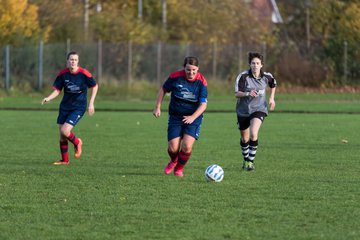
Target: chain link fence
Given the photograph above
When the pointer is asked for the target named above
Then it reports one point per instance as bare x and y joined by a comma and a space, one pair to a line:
37, 66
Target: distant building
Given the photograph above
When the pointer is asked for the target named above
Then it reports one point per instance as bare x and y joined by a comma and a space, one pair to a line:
266, 10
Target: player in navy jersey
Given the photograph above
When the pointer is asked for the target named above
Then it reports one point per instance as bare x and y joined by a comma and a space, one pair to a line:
75, 81
188, 101
251, 106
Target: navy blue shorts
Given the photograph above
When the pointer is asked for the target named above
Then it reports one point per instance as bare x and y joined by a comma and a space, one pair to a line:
176, 128
244, 122
71, 117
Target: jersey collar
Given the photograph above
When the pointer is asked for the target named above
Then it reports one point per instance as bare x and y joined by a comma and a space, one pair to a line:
261, 74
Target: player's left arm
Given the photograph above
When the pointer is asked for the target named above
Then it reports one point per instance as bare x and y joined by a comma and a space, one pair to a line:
159, 100
201, 108
91, 108
52, 95
272, 84
190, 119
272, 98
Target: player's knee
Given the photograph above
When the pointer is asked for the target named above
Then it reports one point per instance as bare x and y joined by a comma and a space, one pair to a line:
172, 151
173, 148
254, 137
186, 148
64, 132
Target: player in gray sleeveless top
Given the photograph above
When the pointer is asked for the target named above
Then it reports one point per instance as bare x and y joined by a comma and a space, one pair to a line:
251, 106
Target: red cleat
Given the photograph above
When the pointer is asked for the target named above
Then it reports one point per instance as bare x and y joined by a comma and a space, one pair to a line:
178, 173
61, 163
168, 169
78, 149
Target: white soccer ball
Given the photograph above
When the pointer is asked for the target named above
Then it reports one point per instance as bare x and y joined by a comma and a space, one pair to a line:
214, 173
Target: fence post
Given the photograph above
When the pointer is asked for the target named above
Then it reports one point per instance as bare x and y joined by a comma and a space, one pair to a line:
214, 59
130, 62
158, 69
68, 45
40, 65
99, 61
140, 10
7, 67
345, 61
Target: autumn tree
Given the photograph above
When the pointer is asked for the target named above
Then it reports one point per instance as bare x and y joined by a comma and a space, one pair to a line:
209, 21
118, 22
197, 21
19, 23
322, 33
63, 17
340, 32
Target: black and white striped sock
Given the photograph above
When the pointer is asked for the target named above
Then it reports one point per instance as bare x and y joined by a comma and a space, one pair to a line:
244, 149
253, 145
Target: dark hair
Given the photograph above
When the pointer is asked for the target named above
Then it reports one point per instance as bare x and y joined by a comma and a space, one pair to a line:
253, 55
192, 61
71, 53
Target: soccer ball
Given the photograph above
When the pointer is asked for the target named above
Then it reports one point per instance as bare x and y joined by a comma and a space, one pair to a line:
214, 173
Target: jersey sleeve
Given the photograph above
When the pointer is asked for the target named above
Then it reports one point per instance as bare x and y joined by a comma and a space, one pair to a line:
90, 81
168, 85
58, 83
271, 81
240, 83
203, 94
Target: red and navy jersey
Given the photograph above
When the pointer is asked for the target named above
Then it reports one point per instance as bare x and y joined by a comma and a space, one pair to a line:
75, 87
186, 95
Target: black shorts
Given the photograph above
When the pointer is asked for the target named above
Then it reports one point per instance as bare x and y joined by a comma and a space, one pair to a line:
244, 122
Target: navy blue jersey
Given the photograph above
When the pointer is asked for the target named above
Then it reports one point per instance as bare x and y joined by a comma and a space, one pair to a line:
186, 95
75, 87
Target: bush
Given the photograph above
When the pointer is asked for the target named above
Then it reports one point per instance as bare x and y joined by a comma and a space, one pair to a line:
297, 70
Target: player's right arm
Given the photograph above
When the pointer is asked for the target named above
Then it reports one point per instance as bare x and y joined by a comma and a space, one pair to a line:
52, 95
160, 97
240, 85
252, 93
57, 86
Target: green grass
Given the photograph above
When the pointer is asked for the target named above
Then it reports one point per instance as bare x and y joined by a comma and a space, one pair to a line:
295, 103
306, 183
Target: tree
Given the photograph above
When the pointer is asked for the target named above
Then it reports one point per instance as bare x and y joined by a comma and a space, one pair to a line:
118, 22
346, 30
197, 21
207, 21
63, 17
332, 24
19, 23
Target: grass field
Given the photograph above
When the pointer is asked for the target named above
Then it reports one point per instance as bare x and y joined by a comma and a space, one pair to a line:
286, 103
306, 183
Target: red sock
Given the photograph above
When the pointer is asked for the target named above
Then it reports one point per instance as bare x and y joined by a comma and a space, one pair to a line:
183, 159
72, 138
64, 151
173, 156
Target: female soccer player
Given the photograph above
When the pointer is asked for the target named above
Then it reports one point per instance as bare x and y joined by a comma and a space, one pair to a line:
251, 107
75, 81
188, 102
